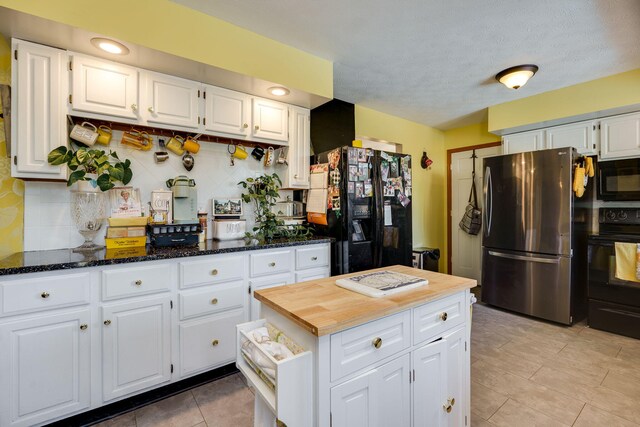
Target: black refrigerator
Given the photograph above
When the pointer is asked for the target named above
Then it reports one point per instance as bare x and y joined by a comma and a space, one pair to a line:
369, 208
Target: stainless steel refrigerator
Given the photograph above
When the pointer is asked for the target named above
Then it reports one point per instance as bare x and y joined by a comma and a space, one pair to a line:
370, 218
534, 235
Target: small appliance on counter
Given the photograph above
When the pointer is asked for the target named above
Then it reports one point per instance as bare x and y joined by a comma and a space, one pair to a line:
226, 224
185, 199
171, 235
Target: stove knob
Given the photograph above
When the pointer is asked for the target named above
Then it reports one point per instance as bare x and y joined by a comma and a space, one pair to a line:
622, 215
610, 215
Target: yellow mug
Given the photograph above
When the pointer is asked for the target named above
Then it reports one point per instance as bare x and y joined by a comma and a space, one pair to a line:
240, 152
191, 145
104, 135
175, 145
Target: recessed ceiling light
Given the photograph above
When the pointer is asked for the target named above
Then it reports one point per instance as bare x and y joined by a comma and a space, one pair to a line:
279, 91
516, 77
110, 46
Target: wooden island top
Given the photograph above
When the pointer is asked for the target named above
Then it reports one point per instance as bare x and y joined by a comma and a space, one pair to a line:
322, 308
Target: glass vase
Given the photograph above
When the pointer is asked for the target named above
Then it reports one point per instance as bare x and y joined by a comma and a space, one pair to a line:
88, 215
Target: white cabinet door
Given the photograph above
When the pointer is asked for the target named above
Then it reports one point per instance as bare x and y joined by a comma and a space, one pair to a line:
171, 100
457, 377
379, 398
136, 346
430, 385
45, 368
583, 136
318, 273
270, 120
297, 172
104, 87
38, 120
227, 111
521, 142
620, 136
268, 282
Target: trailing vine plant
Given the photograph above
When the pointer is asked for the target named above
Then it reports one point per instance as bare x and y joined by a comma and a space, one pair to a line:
262, 192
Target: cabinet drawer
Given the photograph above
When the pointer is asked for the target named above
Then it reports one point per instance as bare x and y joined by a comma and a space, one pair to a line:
364, 345
211, 270
211, 300
312, 257
319, 273
270, 263
437, 316
133, 281
44, 293
209, 342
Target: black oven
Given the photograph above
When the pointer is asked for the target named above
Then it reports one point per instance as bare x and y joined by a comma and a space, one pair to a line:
619, 180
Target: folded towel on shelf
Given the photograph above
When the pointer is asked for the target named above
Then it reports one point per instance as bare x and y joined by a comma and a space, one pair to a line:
627, 261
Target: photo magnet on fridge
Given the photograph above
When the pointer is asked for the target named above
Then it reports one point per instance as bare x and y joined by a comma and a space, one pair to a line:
359, 189
368, 189
393, 168
362, 155
363, 171
353, 172
351, 187
352, 155
384, 170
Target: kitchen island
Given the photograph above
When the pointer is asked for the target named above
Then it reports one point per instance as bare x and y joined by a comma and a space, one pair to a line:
400, 360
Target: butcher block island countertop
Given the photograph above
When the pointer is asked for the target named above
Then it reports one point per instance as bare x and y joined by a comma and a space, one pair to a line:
321, 307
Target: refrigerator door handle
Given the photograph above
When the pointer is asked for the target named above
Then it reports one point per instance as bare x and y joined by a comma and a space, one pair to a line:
488, 202
526, 258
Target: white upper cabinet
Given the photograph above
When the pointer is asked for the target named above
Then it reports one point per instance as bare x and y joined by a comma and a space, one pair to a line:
38, 103
620, 136
104, 87
296, 174
582, 136
170, 100
270, 120
227, 111
522, 142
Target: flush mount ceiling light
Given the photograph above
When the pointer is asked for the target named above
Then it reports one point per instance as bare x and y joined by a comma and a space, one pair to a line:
516, 77
278, 91
110, 46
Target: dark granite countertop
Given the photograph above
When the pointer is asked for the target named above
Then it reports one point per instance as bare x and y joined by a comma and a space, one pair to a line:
64, 259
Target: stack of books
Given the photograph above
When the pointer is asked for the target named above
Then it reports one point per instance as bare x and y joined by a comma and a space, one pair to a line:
126, 232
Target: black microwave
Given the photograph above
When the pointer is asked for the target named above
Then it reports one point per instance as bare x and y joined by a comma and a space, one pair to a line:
619, 180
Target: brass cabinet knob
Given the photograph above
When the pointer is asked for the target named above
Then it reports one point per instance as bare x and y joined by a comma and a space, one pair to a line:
377, 342
444, 316
45, 294
314, 258
448, 407
84, 327
215, 343
214, 272
214, 301
107, 322
257, 127
138, 282
134, 107
272, 264
295, 176
245, 125
151, 110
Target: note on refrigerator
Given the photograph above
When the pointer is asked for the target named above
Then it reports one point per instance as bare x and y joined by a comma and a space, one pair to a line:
317, 200
318, 180
387, 214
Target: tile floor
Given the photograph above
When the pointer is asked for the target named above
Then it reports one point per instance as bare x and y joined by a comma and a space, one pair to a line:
524, 372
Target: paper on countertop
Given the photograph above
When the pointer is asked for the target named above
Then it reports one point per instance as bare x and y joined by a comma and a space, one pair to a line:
317, 200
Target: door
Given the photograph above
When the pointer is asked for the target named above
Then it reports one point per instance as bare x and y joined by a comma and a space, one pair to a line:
466, 250
457, 377
227, 111
171, 100
270, 120
297, 175
136, 346
267, 282
620, 136
353, 402
430, 385
528, 202
45, 366
40, 85
582, 136
104, 87
522, 142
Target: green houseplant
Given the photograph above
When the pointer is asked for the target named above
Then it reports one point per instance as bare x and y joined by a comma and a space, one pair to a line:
262, 192
106, 168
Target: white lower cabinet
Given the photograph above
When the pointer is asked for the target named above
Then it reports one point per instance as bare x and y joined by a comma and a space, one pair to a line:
136, 346
264, 283
45, 367
457, 372
429, 390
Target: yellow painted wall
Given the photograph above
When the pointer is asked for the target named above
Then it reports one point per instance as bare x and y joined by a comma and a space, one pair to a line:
178, 30
11, 190
428, 185
596, 95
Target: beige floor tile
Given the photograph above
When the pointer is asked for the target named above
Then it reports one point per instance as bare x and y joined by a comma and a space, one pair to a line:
589, 373
499, 380
594, 417
575, 386
180, 410
125, 420
513, 414
625, 384
509, 362
630, 353
202, 424
607, 349
226, 403
616, 403
584, 355
484, 401
534, 351
608, 337
554, 404
478, 421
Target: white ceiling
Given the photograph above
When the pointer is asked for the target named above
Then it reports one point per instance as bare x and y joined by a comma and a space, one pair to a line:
434, 61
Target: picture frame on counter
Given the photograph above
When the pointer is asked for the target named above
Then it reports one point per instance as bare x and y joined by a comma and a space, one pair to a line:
227, 207
125, 202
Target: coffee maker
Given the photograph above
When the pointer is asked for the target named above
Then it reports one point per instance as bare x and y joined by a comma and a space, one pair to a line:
185, 199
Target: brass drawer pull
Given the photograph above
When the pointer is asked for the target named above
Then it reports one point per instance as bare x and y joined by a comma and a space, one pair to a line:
314, 258
214, 272
107, 322
138, 282
215, 343
214, 301
84, 327
45, 294
272, 264
444, 316
377, 342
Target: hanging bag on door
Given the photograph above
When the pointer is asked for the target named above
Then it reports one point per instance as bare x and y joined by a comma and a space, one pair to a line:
471, 221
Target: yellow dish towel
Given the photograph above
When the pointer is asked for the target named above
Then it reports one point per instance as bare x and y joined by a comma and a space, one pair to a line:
578, 181
627, 261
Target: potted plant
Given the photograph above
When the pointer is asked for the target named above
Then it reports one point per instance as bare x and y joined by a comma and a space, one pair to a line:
263, 193
100, 169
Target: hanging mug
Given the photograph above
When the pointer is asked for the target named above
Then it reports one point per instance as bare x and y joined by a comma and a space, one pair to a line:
268, 156
282, 156
240, 152
175, 145
104, 135
191, 145
85, 133
258, 153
